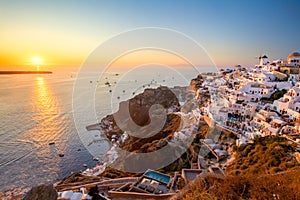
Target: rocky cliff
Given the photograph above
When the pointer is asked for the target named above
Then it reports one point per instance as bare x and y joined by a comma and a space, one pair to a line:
196, 83
145, 119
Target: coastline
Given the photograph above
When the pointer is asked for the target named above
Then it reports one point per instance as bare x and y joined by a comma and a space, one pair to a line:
24, 72
196, 113
111, 132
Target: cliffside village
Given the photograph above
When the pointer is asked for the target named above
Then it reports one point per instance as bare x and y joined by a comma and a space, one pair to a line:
249, 102
259, 101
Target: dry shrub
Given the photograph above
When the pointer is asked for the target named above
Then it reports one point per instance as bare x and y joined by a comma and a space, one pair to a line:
279, 186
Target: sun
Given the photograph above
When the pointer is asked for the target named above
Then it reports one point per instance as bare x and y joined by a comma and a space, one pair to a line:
36, 60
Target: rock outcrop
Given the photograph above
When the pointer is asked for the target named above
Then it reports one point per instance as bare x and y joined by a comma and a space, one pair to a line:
155, 142
145, 119
41, 192
143, 128
196, 83
139, 105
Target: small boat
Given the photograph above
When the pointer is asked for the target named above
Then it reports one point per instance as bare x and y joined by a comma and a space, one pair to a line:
95, 159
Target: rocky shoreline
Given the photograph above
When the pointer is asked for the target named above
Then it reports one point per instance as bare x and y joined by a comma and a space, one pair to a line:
181, 121
139, 140
172, 101
205, 148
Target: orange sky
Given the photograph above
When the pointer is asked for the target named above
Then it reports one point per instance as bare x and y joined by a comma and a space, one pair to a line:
27, 61
65, 33
142, 57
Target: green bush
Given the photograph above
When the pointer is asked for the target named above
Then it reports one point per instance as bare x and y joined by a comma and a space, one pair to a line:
275, 96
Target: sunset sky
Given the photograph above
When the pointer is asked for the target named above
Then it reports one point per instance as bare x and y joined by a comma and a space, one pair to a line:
65, 32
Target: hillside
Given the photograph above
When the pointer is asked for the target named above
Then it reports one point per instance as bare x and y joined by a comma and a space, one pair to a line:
266, 169
267, 155
280, 186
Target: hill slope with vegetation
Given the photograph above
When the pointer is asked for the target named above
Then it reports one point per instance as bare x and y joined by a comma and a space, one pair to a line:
278, 186
267, 155
266, 169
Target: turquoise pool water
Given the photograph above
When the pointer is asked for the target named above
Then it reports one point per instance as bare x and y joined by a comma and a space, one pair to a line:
158, 176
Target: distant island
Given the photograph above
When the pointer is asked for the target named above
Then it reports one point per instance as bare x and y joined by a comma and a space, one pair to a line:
25, 72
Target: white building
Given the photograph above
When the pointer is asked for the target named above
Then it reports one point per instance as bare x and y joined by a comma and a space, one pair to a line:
263, 60
259, 90
289, 104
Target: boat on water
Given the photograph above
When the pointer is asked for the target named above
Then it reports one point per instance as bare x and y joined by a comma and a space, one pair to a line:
96, 159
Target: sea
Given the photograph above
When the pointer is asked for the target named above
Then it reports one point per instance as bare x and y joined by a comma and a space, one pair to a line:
41, 137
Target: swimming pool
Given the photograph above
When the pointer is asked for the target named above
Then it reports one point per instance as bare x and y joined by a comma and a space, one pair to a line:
157, 176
